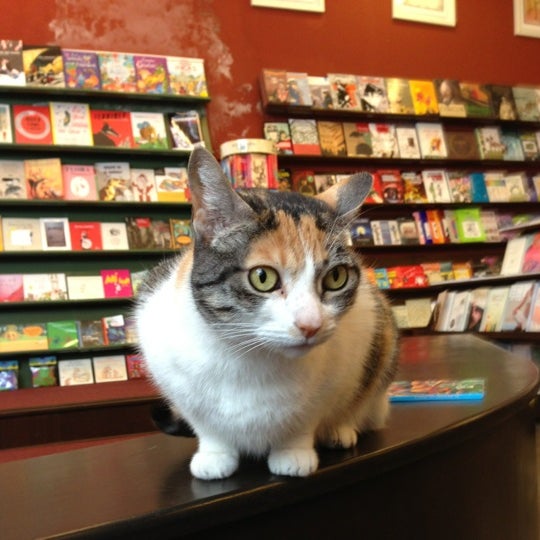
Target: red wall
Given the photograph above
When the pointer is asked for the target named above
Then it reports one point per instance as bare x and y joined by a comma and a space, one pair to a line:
237, 40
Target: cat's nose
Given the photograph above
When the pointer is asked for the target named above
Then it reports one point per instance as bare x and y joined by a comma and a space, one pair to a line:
308, 330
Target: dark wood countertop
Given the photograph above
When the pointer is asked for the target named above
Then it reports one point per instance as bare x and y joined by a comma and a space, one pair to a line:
141, 487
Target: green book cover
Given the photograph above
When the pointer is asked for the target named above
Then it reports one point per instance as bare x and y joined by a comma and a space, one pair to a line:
62, 335
469, 225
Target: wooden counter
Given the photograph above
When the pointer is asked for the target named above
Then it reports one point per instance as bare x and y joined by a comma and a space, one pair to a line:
460, 470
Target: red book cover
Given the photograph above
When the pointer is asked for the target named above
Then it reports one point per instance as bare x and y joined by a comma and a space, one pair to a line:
11, 288
111, 128
85, 235
304, 182
32, 124
135, 366
79, 182
117, 283
376, 193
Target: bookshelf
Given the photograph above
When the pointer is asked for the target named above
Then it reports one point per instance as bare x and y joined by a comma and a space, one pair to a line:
50, 414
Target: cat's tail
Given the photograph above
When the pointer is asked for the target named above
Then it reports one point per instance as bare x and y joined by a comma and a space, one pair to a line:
170, 423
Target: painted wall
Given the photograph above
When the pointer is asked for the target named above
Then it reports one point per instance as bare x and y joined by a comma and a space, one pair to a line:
237, 40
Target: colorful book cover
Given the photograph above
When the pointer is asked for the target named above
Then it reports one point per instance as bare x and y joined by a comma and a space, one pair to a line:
451, 102
149, 131
529, 145
280, 134
321, 96
151, 74
477, 99
432, 140
12, 179
496, 187
533, 322
91, 333
114, 330
304, 136
23, 337
361, 233
75, 372
495, 307
303, 181
6, 131
414, 190
85, 235
43, 66
478, 187
459, 183
469, 225
55, 234
11, 63
399, 96
113, 181
81, 69
43, 371
21, 234
436, 185
298, 92
274, 88
110, 368
424, 97
117, 71
187, 76
490, 143
185, 130
344, 91
44, 179
117, 283
392, 185
143, 185
71, 124
44, 287
136, 367
79, 182
531, 257
358, 139
180, 233
437, 390
85, 287
372, 94
331, 138
11, 288
32, 124
62, 335
518, 306
527, 100
111, 128
172, 184
114, 236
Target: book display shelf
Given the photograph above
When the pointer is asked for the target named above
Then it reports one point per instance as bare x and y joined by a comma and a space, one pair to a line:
451, 182
75, 260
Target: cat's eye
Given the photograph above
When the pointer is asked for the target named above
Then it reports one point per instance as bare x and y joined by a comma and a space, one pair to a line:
264, 279
336, 278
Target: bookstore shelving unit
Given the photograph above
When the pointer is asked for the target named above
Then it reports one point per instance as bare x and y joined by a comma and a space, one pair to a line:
51, 414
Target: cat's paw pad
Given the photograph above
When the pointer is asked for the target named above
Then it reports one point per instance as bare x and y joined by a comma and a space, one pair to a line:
293, 461
213, 465
340, 437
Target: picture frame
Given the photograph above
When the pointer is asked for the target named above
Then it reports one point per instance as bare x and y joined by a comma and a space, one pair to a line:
442, 12
296, 5
526, 18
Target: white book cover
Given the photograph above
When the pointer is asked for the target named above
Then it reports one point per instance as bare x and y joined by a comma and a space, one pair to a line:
432, 140
436, 185
518, 306
12, 179
85, 287
75, 372
143, 185
513, 256
21, 234
114, 236
408, 144
6, 131
459, 316
44, 287
71, 124
494, 312
110, 368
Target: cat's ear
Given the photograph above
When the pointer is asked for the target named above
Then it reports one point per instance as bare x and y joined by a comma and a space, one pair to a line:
216, 208
347, 196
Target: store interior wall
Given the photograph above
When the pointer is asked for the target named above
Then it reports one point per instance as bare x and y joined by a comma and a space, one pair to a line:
238, 40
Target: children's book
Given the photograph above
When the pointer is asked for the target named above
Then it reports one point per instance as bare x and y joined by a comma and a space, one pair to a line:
280, 134
91, 333
114, 236
21, 234
136, 367
459, 183
533, 322
180, 233
44, 287
436, 185
62, 335
496, 187
461, 142
23, 337
140, 233
172, 184
43, 371
149, 131
43, 66
187, 76
151, 74
513, 150
113, 181
469, 226
75, 372
399, 96
12, 179
110, 368
502, 101
383, 140
114, 329
490, 143
85, 235
111, 128
358, 139
527, 101
44, 179
495, 307
185, 130
477, 99
116, 283
81, 69
55, 234
32, 124
424, 97
518, 306
117, 72
85, 287
437, 390
414, 190
11, 288
143, 185
431, 139
71, 124
79, 182
407, 139
11, 63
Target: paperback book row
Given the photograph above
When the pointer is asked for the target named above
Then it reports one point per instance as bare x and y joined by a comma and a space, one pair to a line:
425, 186
76, 124
66, 334
506, 308
50, 66
48, 179
61, 234
47, 287
397, 95
419, 140
46, 371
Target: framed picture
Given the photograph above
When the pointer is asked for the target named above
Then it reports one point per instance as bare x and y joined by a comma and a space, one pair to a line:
426, 11
298, 5
527, 18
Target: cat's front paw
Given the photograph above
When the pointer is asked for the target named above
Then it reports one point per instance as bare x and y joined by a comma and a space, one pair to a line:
213, 465
293, 461
339, 437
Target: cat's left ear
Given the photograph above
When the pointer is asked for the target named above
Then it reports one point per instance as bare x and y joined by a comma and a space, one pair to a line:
347, 196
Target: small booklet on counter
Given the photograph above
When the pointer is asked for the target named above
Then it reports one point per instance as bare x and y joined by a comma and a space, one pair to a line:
437, 390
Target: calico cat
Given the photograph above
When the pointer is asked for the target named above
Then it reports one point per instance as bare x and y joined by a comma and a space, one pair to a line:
266, 336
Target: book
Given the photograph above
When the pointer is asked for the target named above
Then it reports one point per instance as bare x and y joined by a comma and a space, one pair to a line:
361, 233
450, 98
274, 86
407, 140
303, 181
414, 190
529, 145
496, 187
478, 187
527, 101
399, 96
502, 102
304, 136
478, 305
469, 224
298, 92
85, 235
79, 182
185, 130
21, 234
443, 309
531, 256
372, 94
91, 333
110, 368
187, 76
383, 140
44, 179
435, 218
375, 196
494, 311
490, 143
116, 283
408, 231
140, 233
11, 288
81, 69
23, 337
149, 131
12, 179
533, 321
358, 139
459, 183
172, 184
114, 331
43, 66
71, 123
431, 140
85, 287
391, 185
32, 124
436, 185
117, 71
180, 233
424, 97
513, 150
490, 224
437, 390
280, 134
6, 130
44, 287
43, 371
477, 99
143, 185
321, 96
75, 372
514, 254
343, 89
517, 186
460, 312
114, 236
11, 63
461, 142
55, 234
151, 74
111, 128
136, 368
62, 335
162, 233
518, 306
331, 138
113, 181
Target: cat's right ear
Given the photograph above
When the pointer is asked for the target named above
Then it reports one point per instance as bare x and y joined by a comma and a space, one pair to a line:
216, 208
